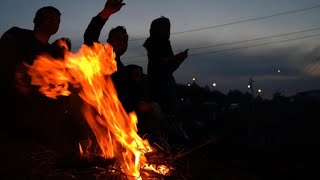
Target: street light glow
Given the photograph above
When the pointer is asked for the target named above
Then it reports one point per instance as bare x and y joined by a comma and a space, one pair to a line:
193, 79
249, 86
259, 90
214, 84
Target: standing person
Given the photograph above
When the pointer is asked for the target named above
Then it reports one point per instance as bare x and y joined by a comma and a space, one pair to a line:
118, 39
28, 114
162, 63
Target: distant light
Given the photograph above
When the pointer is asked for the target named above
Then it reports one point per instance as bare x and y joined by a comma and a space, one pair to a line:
193, 79
279, 70
214, 84
189, 84
259, 90
249, 86
182, 99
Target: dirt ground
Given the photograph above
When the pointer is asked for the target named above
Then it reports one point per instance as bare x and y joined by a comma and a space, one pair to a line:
27, 160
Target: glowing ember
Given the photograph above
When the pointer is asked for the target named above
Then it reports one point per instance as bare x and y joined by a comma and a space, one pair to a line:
90, 69
161, 169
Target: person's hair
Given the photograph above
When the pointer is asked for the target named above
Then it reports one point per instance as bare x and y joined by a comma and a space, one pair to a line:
43, 12
117, 29
158, 24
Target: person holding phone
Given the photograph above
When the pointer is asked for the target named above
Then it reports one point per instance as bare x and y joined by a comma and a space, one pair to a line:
162, 63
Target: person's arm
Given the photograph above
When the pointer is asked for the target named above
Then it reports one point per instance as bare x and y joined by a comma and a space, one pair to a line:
92, 32
178, 59
94, 28
173, 63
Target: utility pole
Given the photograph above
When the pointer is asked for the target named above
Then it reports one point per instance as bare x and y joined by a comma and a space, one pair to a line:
250, 86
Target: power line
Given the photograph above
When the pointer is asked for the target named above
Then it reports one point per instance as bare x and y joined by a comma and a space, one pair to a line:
238, 42
246, 47
255, 39
238, 22
263, 44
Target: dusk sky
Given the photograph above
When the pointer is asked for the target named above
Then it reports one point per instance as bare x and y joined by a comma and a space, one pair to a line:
274, 42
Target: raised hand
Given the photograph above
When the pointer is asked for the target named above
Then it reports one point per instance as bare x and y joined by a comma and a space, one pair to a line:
113, 6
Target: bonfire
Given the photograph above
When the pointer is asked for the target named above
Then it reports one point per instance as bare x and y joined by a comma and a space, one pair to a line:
115, 130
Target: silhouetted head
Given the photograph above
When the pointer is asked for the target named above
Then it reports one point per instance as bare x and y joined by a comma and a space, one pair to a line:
160, 28
63, 43
135, 73
118, 39
47, 20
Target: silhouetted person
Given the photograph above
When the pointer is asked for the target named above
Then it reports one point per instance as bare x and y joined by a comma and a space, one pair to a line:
137, 99
22, 45
117, 38
161, 65
28, 113
135, 88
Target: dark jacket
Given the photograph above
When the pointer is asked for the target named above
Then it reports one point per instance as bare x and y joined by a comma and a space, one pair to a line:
161, 65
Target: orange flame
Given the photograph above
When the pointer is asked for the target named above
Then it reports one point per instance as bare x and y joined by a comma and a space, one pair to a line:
90, 69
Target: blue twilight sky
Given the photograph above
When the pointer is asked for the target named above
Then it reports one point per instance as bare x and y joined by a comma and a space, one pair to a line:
288, 66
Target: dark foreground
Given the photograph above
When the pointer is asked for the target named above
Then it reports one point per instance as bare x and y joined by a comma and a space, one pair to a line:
205, 158
275, 141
